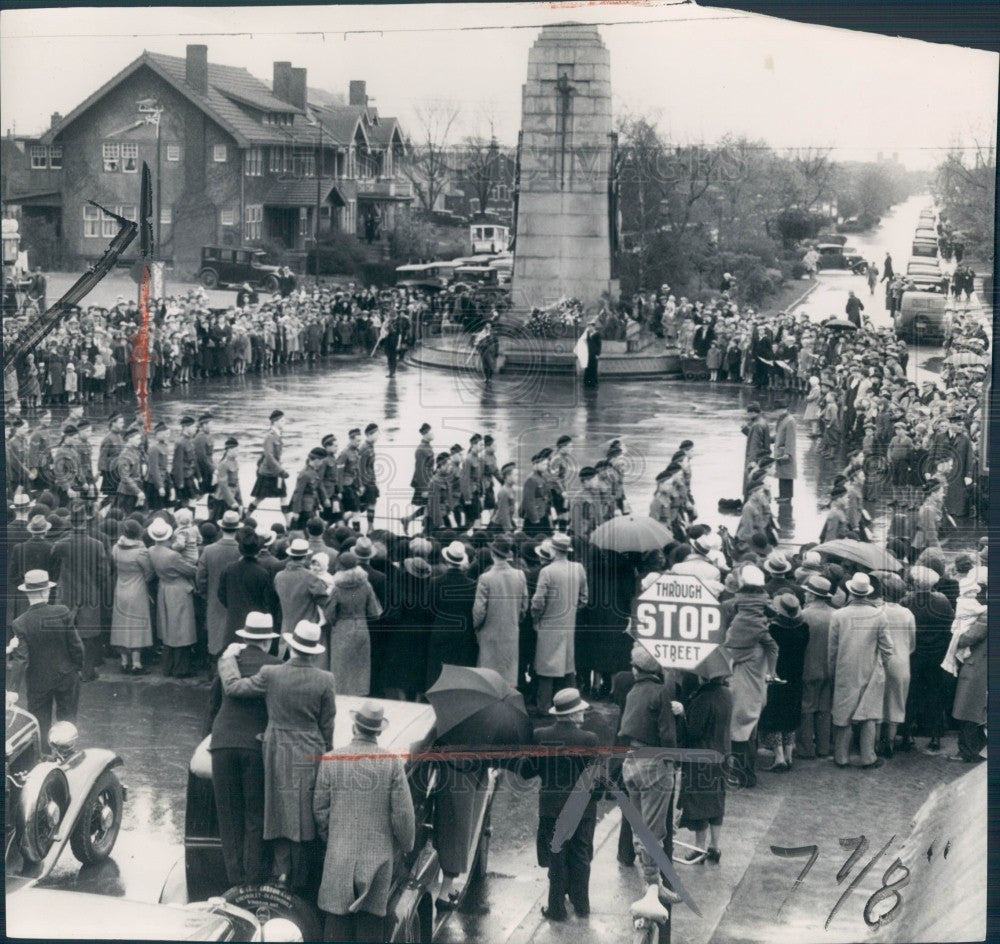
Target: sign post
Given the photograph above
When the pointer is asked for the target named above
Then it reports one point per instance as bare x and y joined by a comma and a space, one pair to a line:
678, 620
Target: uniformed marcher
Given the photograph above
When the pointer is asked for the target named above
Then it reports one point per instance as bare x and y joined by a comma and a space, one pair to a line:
271, 473
456, 507
536, 496
560, 473
366, 471
423, 469
306, 497
585, 510
184, 470
204, 453
111, 446
157, 477
438, 495
129, 475
471, 481
348, 467
236, 726
227, 494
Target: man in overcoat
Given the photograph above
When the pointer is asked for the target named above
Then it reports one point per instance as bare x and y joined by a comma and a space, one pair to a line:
561, 591
247, 586
815, 731
859, 648
784, 453
213, 561
204, 453
299, 590
501, 603
758, 442
969, 708
364, 812
452, 641
536, 496
236, 725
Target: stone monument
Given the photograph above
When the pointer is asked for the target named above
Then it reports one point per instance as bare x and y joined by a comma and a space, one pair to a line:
565, 212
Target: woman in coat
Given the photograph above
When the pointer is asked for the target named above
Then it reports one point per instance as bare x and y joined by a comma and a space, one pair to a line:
364, 812
301, 705
812, 411
174, 601
352, 603
903, 631
707, 720
754, 655
500, 606
782, 714
131, 626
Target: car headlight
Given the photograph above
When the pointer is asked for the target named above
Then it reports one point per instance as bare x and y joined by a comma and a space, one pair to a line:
63, 736
281, 929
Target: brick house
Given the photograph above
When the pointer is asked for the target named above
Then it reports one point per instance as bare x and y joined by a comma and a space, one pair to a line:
235, 162
464, 194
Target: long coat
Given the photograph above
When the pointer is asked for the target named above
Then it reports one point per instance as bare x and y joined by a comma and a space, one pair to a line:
80, 567
365, 812
602, 643
452, 640
301, 704
970, 693
561, 591
246, 586
352, 603
407, 627
784, 446
33, 554
131, 626
174, 597
754, 655
859, 650
783, 710
213, 561
707, 721
956, 499
501, 603
903, 631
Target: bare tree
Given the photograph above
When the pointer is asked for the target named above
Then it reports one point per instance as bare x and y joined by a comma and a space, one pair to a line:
428, 165
479, 162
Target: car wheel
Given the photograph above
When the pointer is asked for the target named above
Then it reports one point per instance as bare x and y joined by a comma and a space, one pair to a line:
481, 866
96, 830
209, 278
272, 901
271, 284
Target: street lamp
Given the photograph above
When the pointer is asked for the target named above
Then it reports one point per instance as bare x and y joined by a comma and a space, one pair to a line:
151, 111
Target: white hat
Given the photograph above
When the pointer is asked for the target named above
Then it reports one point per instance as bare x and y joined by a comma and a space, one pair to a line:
35, 580
454, 553
860, 585
752, 576
305, 638
258, 626
159, 530
298, 548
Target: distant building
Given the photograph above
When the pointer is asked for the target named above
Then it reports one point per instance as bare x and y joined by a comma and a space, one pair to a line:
475, 179
234, 161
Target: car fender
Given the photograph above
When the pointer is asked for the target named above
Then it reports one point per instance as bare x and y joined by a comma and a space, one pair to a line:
82, 771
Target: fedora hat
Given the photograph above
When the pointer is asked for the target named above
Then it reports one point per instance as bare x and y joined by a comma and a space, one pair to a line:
562, 542
923, 578
159, 530
230, 520
298, 548
364, 549
417, 567
785, 607
258, 626
860, 585
544, 551
643, 660
455, 554
751, 576
567, 701
38, 525
305, 638
35, 580
421, 547
371, 718
817, 585
777, 563
502, 547
21, 499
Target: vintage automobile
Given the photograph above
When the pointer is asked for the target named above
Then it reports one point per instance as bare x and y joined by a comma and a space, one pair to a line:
925, 274
836, 256
54, 914
71, 795
223, 266
922, 316
925, 246
412, 915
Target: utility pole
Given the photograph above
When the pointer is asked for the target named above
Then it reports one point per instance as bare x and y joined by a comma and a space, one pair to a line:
319, 186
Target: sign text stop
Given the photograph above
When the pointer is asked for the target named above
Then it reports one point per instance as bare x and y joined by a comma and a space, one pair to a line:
677, 619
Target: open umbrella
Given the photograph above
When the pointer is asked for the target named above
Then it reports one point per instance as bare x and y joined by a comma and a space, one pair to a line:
869, 556
840, 324
715, 665
631, 533
966, 359
462, 693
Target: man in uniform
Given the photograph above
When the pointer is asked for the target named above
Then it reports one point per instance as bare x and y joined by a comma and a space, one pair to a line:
835, 525
471, 481
86, 457
18, 475
758, 442
307, 495
184, 470
204, 453
586, 509
157, 476
536, 496
454, 476
110, 448
40, 453
129, 472
560, 472
423, 469
366, 469
504, 518
438, 496
348, 468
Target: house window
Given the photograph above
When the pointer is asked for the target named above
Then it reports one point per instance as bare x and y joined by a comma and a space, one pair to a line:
112, 157
173, 152
352, 216
499, 191
304, 164
39, 157
219, 154
130, 158
55, 158
276, 160
303, 221
253, 162
166, 216
227, 218
91, 221
253, 218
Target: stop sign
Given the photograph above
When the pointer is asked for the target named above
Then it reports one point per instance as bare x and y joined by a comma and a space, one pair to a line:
677, 619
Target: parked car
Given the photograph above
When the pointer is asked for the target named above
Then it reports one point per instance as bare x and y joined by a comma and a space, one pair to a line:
223, 266
411, 916
925, 246
54, 914
922, 316
836, 256
70, 795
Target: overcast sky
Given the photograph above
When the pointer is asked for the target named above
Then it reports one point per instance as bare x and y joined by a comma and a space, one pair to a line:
699, 73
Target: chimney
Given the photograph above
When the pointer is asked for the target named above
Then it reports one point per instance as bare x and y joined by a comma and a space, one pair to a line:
55, 119
196, 68
297, 88
281, 81
356, 95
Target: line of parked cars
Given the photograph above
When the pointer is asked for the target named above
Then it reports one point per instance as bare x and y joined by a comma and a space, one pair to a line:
922, 314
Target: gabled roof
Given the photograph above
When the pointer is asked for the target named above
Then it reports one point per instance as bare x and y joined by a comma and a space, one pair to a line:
386, 133
341, 123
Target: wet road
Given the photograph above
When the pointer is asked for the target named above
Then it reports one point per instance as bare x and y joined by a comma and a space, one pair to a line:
155, 723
